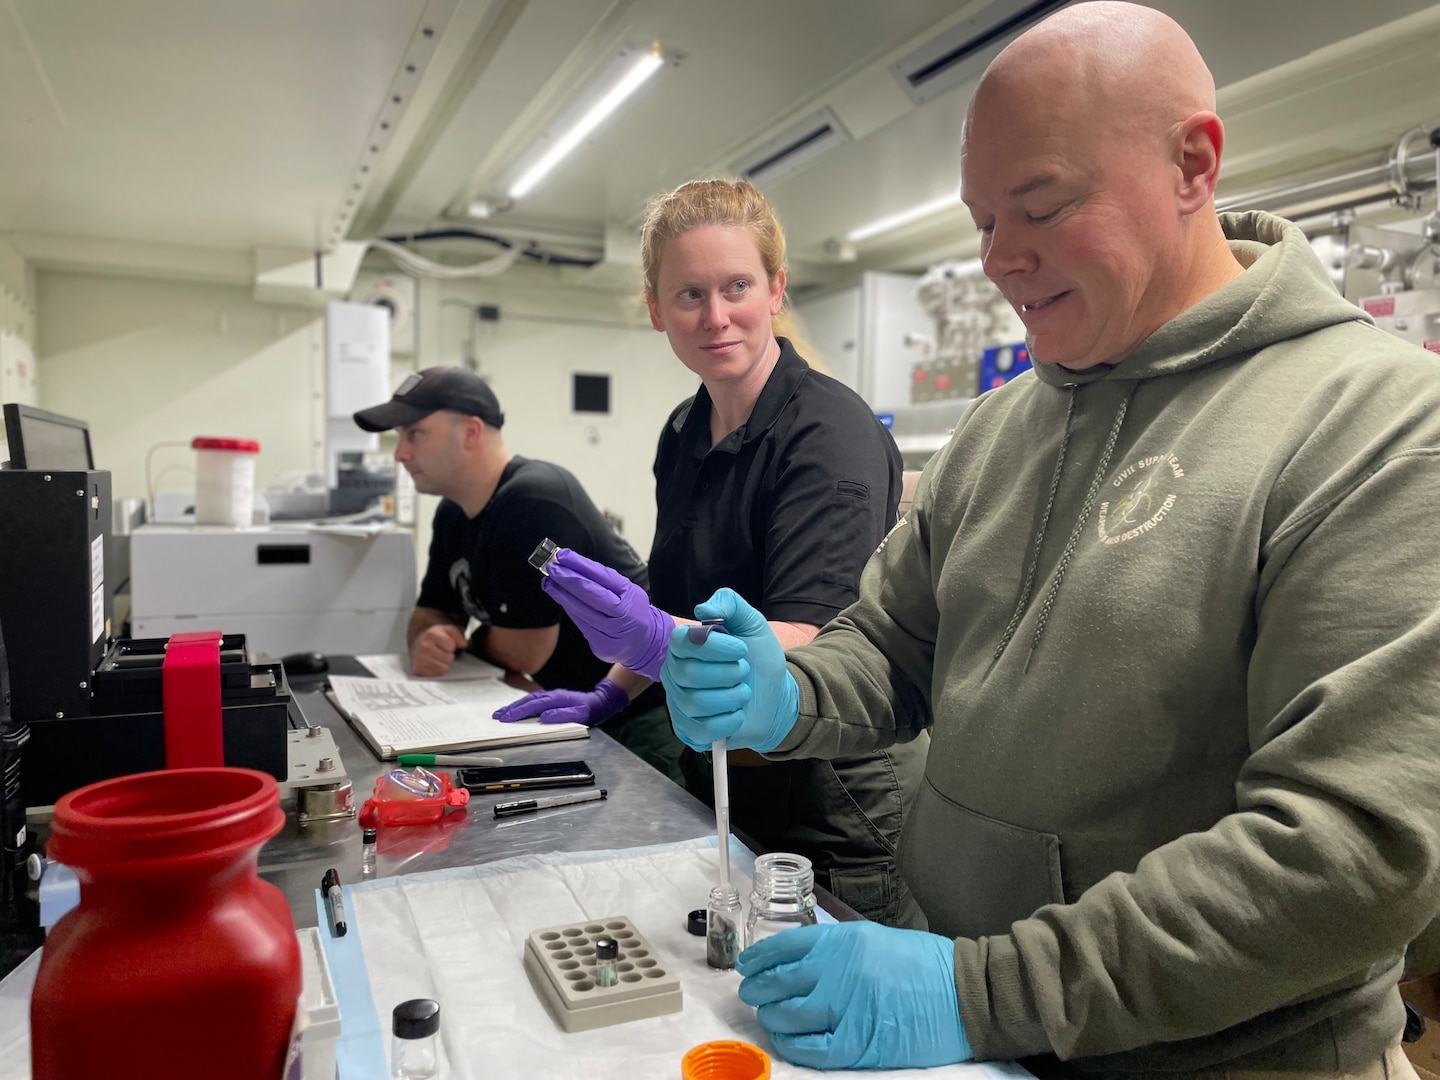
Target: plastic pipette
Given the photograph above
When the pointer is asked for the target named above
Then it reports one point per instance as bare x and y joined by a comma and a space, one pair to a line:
719, 763
722, 915
722, 807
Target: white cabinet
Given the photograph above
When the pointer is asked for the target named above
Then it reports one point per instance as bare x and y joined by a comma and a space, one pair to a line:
860, 333
832, 324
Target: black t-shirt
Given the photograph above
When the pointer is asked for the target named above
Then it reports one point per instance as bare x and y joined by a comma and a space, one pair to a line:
480, 566
786, 510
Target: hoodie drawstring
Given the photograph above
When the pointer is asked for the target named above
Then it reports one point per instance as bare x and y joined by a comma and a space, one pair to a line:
1070, 545
1095, 482
1040, 537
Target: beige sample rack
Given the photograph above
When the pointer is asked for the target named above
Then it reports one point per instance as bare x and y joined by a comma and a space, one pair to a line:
560, 961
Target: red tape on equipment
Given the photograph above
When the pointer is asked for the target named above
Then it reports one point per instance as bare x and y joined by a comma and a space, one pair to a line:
194, 737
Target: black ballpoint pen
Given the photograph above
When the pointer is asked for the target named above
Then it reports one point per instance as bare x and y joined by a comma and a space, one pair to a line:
334, 903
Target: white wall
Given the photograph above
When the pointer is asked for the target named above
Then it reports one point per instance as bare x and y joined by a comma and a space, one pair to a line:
15, 273
147, 361
19, 371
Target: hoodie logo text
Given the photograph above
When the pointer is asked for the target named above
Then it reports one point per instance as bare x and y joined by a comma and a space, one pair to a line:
1141, 496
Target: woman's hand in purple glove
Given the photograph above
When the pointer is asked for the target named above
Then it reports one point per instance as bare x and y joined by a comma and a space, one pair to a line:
568, 706
612, 612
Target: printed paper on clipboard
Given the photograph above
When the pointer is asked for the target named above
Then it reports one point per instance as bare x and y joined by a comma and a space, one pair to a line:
398, 716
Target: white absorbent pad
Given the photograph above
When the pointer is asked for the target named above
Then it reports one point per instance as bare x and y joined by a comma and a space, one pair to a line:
458, 936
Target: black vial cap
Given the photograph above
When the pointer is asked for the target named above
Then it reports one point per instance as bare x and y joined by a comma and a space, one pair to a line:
695, 922
368, 836
415, 1019
606, 948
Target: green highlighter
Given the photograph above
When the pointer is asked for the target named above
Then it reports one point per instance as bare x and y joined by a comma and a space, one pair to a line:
481, 760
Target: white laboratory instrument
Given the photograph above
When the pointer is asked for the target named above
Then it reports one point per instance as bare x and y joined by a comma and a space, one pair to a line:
357, 376
287, 588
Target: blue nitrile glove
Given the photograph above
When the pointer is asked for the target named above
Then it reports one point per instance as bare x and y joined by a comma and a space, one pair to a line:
613, 613
857, 995
733, 686
568, 706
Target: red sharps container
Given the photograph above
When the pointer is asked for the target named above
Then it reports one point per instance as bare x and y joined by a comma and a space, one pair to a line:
178, 957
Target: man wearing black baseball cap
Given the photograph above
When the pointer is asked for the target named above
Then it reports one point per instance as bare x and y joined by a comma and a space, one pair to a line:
430, 390
496, 508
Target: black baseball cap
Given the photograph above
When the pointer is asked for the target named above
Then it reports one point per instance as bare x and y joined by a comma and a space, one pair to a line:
434, 388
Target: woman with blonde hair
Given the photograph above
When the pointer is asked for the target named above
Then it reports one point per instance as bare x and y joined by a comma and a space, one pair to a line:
775, 481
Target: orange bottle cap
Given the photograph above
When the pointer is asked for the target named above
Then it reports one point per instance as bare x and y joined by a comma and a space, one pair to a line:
725, 1059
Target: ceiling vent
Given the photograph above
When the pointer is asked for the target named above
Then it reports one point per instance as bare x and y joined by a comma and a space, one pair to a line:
961, 53
793, 149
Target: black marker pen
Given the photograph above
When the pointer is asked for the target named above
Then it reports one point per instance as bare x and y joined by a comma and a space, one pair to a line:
526, 806
334, 902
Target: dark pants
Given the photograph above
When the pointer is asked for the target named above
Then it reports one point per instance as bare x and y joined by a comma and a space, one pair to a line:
646, 733
843, 815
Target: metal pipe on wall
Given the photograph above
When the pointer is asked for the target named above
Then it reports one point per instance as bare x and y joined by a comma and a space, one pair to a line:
1404, 174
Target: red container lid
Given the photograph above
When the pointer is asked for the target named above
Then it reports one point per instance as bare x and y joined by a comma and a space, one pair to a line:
239, 446
166, 817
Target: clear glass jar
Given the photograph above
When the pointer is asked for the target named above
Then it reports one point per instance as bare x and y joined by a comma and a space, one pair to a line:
722, 927
782, 896
415, 1052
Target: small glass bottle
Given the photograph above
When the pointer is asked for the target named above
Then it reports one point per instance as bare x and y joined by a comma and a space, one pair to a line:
367, 853
414, 1053
723, 927
782, 896
606, 951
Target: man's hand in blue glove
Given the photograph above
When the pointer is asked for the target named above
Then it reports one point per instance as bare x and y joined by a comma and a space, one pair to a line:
734, 686
857, 995
568, 706
613, 613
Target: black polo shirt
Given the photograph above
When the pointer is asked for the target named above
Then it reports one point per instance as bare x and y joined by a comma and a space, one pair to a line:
480, 566
786, 510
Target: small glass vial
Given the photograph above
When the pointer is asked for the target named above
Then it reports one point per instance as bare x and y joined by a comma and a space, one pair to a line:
607, 949
723, 927
367, 853
783, 895
414, 1053
543, 555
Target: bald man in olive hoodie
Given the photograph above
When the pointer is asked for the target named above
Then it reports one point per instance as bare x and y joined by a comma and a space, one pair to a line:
1170, 607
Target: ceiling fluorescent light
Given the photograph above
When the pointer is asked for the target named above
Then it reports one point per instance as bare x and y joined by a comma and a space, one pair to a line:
904, 217
635, 77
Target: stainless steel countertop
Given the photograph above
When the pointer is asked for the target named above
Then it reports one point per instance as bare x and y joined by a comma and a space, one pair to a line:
643, 807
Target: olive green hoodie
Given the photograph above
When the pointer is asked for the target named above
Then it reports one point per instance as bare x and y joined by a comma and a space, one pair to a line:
1177, 626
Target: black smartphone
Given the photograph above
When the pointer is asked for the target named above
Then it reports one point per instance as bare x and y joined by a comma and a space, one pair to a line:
513, 777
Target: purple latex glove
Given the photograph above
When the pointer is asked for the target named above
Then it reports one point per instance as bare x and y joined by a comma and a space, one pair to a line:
611, 611
568, 706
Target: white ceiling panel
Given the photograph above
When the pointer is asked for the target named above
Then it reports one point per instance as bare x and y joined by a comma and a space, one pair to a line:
740, 77
510, 62
232, 126
737, 78
194, 122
